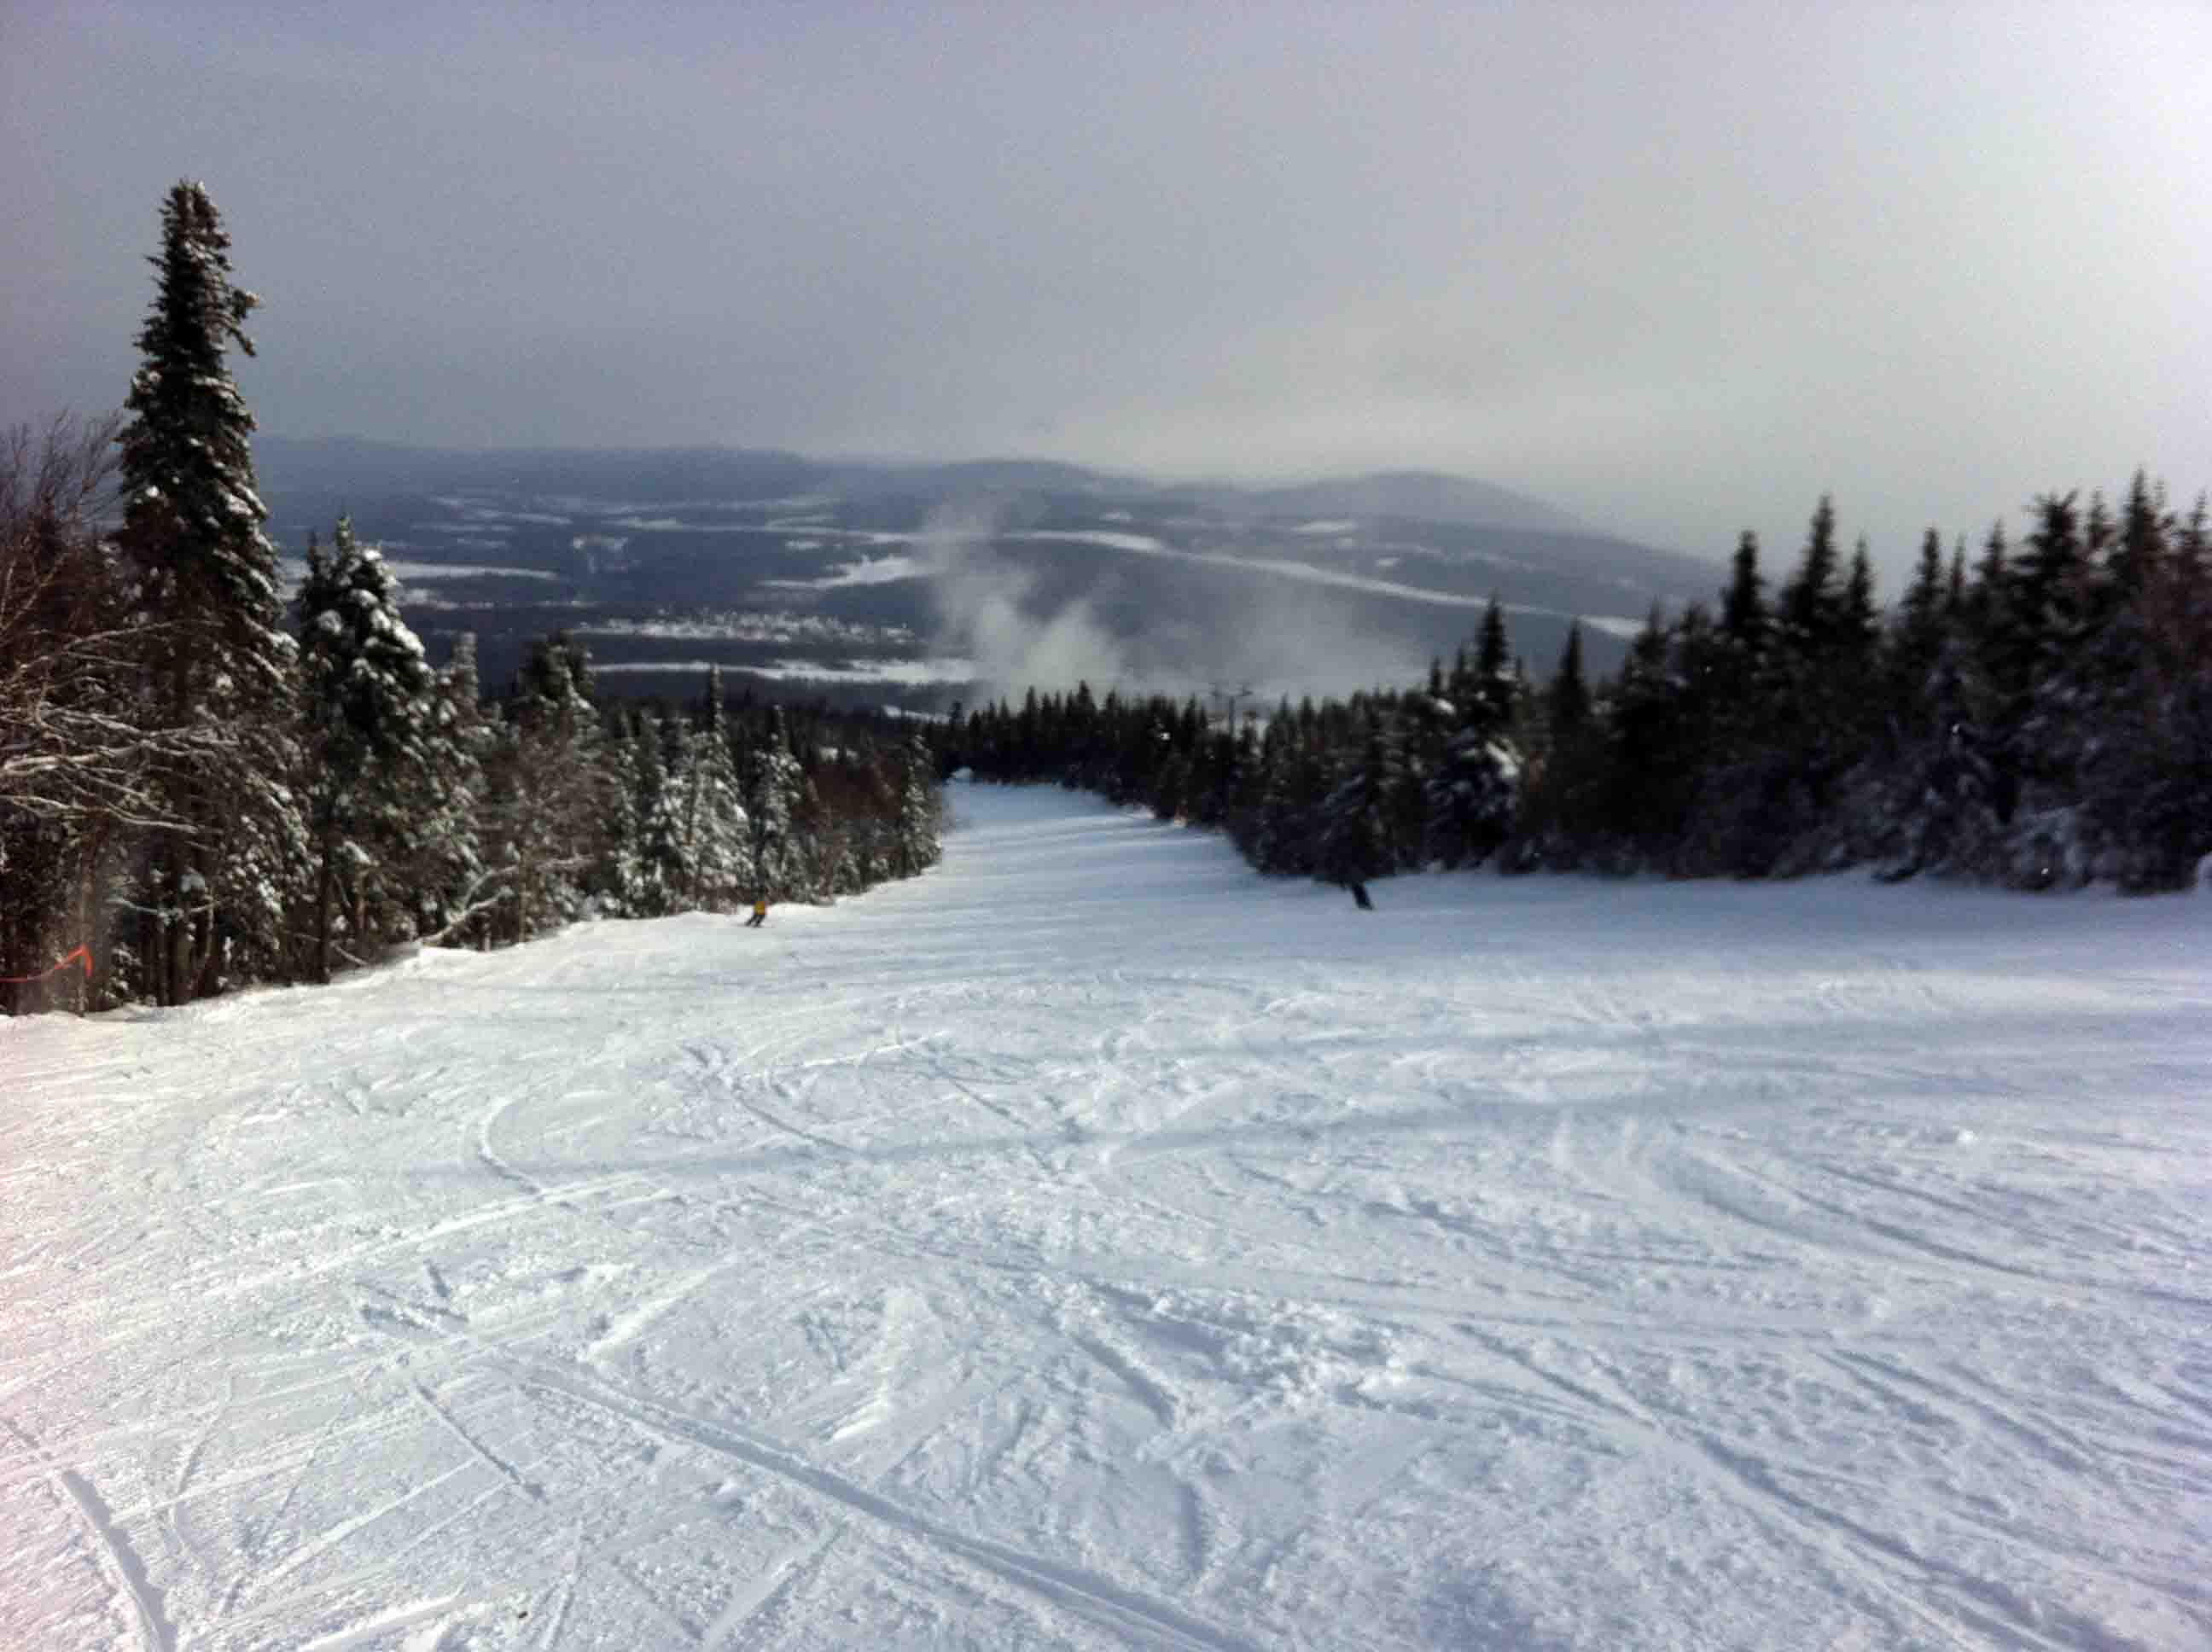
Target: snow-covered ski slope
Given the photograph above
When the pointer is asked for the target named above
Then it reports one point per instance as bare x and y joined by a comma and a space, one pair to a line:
1090, 1245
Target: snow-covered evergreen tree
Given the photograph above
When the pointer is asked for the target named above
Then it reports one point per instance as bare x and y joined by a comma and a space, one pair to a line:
368, 712
2147, 779
659, 769
548, 788
1297, 780
2061, 596
616, 876
1169, 795
720, 850
219, 664
1923, 621
1355, 827
1473, 792
774, 786
1560, 730
1938, 801
1650, 759
1810, 611
453, 888
916, 840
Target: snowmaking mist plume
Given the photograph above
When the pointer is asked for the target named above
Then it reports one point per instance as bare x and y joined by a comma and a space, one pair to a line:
1291, 641
983, 613
1286, 639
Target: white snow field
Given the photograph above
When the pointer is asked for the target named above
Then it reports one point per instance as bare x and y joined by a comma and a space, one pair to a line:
1091, 1245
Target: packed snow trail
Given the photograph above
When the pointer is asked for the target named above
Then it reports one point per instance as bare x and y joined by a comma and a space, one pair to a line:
1091, 1245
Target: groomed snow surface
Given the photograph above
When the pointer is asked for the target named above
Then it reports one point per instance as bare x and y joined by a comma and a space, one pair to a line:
1090, 1245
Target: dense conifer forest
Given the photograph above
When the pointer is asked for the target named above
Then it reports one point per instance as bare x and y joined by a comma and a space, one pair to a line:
2041, 719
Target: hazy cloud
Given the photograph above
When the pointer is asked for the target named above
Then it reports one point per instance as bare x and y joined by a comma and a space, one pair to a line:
1678, 269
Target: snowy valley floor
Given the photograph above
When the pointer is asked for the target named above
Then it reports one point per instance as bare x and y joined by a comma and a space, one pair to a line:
1089, 1245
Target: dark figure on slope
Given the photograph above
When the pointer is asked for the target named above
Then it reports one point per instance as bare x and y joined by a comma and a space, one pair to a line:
1359, 897
760, 913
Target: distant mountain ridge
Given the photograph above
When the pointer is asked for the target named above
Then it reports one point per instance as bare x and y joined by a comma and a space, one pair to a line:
320, 463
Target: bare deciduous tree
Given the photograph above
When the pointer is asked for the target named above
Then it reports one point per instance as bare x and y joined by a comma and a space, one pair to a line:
71, 747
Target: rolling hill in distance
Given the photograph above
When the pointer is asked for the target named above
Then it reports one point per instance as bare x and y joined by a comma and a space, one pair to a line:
873, 582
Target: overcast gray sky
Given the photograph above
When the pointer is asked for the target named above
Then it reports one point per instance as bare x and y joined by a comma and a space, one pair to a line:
1676, 268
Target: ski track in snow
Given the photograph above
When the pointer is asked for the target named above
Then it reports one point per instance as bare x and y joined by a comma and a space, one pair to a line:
1091, 1245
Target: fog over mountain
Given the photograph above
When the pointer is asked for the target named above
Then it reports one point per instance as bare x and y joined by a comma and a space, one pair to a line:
1679, 268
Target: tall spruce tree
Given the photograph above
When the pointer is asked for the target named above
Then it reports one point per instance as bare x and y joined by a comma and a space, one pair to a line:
1652, 751
1810, 612
2139, 555
2039, 698
1744, 643
219, 664
1293, 781
367, 713
632, 887
1744, 617
1569, 698
1472, 790
721, 855
2047, 592
661, 771
1917, 634
916, 831
773, 786
548, 787
1813, 729
452, 889
1355, 828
